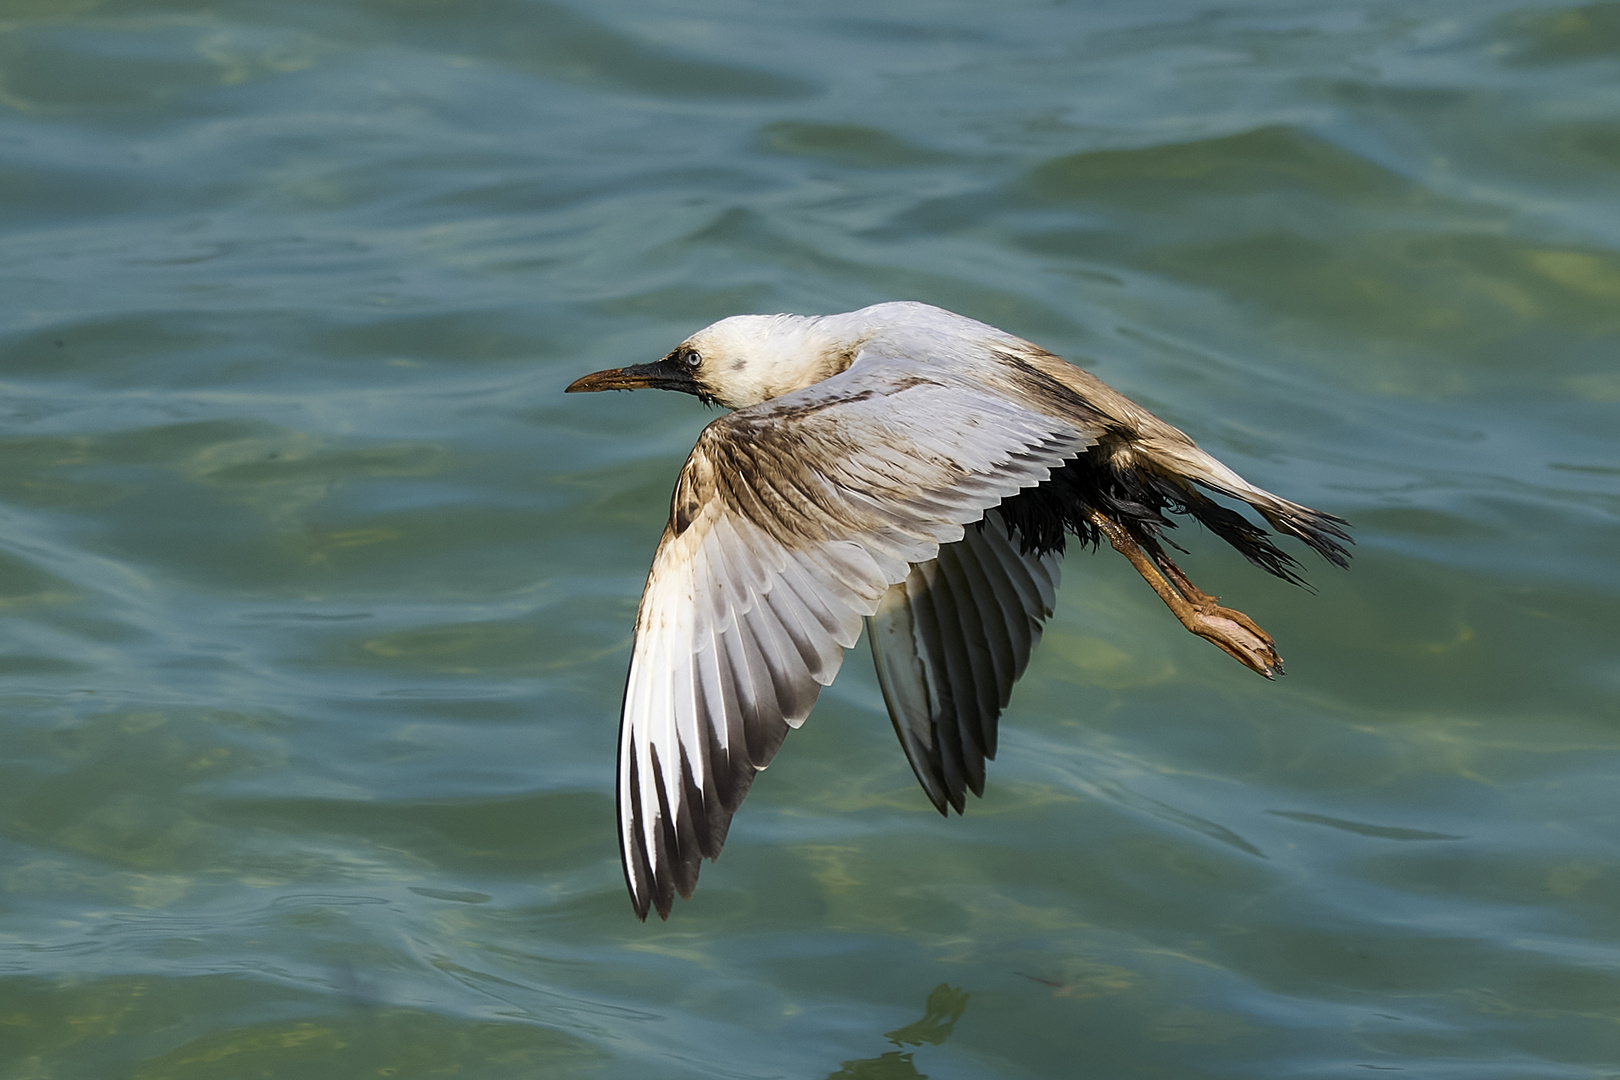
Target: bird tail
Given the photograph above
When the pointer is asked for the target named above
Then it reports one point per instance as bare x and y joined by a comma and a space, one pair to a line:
1323, 533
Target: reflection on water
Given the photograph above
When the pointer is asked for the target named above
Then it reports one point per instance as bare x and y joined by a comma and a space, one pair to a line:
315, 590
945, 1007
893, 1065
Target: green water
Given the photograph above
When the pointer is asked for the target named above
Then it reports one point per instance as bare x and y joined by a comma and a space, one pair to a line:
317, 592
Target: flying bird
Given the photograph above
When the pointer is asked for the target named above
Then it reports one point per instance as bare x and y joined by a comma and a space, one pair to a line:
915, 470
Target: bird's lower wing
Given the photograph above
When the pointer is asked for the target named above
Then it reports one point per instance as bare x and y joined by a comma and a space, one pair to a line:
788, 525
949, 643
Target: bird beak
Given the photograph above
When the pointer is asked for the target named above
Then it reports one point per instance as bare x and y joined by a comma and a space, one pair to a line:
666, 374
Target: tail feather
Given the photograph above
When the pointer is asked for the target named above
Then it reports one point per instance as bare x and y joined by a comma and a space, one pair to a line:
1323, 533
1251, 541
1137, 489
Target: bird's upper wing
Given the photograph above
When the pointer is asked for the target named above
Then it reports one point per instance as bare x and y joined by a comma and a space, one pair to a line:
949, 641
789, 522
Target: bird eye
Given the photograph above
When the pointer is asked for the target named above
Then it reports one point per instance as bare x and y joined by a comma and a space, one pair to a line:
693, 358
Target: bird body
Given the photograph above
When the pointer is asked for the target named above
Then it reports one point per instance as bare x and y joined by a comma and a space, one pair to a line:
912, 470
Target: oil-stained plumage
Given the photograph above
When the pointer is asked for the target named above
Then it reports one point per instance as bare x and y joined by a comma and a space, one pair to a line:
919, 471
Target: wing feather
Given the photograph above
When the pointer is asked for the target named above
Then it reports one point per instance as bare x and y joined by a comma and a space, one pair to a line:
997, 636
946, 680
952, 662
789, 524
975, 630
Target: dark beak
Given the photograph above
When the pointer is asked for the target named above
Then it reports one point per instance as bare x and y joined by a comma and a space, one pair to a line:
666, 374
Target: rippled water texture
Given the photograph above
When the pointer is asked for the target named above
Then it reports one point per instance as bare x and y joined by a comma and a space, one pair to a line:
317, 592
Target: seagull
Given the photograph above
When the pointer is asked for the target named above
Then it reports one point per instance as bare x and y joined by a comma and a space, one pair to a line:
915, 471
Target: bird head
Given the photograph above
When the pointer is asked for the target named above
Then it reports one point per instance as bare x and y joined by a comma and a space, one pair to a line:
738, 362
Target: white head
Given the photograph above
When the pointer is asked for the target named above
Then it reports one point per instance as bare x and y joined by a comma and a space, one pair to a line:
747, 359
741, 361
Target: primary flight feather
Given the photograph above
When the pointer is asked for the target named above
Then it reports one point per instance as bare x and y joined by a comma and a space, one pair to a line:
919, 472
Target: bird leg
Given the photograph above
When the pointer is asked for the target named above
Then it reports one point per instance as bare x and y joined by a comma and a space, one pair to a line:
1233, 631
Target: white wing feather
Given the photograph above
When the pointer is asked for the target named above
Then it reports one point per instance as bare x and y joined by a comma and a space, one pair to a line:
790, 522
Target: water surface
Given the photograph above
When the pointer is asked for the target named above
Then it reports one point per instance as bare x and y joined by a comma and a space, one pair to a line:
317, 592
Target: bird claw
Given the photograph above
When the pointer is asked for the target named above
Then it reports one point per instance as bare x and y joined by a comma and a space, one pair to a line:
1239, 636
1235, 634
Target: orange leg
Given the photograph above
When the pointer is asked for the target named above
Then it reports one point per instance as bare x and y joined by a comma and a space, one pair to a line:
1232, 631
